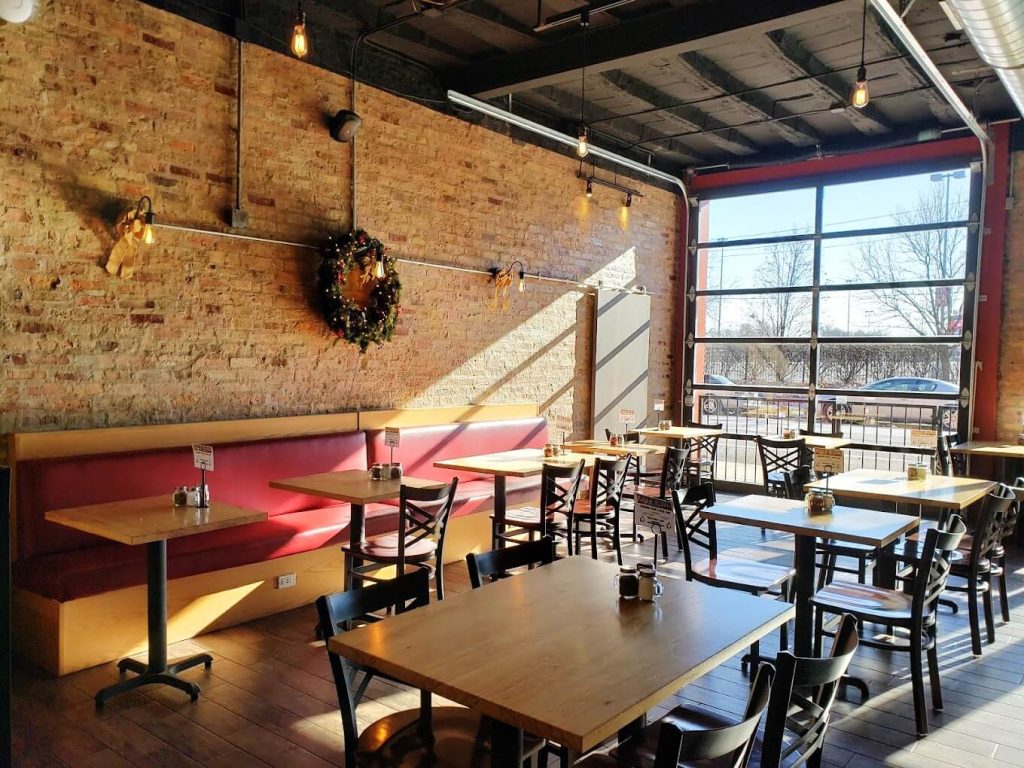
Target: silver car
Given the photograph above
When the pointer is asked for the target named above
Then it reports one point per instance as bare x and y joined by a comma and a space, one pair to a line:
901, 407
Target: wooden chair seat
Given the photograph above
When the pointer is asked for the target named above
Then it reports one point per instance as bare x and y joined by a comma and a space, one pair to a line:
383, 549
525, 517
885, 605
461, 738
582, 509
740, 573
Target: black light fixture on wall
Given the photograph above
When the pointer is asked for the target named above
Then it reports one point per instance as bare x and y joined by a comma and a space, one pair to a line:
859, 95
592, 179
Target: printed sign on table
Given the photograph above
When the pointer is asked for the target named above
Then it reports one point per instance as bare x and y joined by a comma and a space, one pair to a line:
828, 460
558, 426
923, 438
202, 457
655, 513
391, 437
659, 406
627, 416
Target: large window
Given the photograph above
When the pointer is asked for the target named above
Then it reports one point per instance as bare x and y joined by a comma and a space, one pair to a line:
839, 306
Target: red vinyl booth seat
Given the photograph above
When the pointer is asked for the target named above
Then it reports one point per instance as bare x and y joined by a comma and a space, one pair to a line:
420, 447
64, 564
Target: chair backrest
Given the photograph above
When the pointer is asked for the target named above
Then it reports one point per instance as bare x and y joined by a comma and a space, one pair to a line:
697, 530
935, 563
779, 456
423, 514
673, 469
733, 741
559, 487
796, 479
495, 564
1013, 514
989, 531
337, 612
705, 448
801, 700
943, 456
609, 482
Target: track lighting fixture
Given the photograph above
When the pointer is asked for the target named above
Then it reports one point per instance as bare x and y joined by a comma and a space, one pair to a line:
300, 40
590, 188
629, 199
859, 95
591, 180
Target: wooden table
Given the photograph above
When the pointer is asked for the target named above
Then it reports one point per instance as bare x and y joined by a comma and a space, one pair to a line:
604, 447
555, 652
152, 521
845, 524
991, 449
937, 491
355, 487
521, 462
676, 434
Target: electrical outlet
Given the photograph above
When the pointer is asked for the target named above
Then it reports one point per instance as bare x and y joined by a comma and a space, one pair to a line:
285, 581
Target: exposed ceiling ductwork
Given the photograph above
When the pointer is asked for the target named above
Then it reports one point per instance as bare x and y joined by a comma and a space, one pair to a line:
996, 28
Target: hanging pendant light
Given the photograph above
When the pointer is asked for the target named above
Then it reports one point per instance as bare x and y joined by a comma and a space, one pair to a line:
859, 96
583, 145
300, 40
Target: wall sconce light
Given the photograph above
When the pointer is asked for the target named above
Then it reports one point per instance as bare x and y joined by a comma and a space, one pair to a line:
591, 180
134, 226
502, 278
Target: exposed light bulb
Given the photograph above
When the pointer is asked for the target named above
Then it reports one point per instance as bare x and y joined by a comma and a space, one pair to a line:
590, 188
522, 281
859, 97
583, 145
300, 40
147, 235
378, 270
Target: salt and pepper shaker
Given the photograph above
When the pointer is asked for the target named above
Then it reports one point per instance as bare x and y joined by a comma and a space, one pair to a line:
628, 582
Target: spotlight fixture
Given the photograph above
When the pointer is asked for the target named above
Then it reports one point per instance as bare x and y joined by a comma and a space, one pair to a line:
148, 218
345, 125
859, 95
629, 200
378, 268
300, 40
591, 180
590, 188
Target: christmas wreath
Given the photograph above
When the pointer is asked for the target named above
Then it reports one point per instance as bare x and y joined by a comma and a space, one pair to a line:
362, 324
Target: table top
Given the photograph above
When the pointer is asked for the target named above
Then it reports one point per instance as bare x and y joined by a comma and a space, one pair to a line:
555, 652
681, 433
935, 491
351, 485
522, 462
990, 448
821, 441
143, 521
603, 446
849, 524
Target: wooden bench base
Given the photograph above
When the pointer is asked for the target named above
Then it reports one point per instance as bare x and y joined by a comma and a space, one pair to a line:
69, 636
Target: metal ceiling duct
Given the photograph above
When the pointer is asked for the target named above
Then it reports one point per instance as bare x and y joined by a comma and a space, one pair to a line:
996, 28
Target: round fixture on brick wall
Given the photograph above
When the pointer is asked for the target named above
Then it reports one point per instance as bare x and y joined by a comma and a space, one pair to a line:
15, 11
345, 125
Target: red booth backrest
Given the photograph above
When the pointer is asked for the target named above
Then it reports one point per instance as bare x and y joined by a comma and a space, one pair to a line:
241, 476
420, 447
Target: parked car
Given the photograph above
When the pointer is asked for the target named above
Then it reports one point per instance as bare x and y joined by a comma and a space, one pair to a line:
901, 406
712, 403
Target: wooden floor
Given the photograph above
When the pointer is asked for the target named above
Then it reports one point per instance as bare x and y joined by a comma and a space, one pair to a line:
269, 700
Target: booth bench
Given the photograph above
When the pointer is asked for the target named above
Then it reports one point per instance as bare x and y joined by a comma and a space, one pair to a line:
79, 600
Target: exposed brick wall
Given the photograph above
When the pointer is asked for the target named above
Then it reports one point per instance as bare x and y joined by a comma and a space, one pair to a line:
1011, 355
103, 102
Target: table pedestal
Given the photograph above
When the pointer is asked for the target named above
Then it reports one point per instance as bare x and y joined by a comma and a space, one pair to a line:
157, 671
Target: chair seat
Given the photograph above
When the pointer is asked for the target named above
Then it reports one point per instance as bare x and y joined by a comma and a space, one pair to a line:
864, 600
909, 551
638, 751
461, 738
384, 549
582, 509
525, 517
742, 573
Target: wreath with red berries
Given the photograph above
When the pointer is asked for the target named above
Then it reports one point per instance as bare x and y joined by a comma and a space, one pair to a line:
362, 324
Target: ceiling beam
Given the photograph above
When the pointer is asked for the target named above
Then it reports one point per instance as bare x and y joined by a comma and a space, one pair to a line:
688, 118
636, 41
833, 88
493, 26
755, 103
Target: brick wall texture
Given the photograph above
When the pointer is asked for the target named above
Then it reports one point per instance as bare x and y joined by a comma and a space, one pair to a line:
1011, 352
103, 102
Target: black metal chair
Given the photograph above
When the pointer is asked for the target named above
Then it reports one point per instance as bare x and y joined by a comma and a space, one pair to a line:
778, 457
977, 567
700, 466
916, 611
598, 516
946, 462
560, 485
673, 469
726, 742
729, 572
798, 712
429, 735
422, 524
496, 564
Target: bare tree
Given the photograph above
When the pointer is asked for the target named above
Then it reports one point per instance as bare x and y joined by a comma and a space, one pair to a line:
782, 314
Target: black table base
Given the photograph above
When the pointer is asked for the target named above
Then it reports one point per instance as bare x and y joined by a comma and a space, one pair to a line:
157, 671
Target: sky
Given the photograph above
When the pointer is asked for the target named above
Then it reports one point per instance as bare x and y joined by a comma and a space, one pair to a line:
855, 205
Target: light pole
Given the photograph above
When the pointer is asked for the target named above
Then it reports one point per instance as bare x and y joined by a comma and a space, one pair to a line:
938, 177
